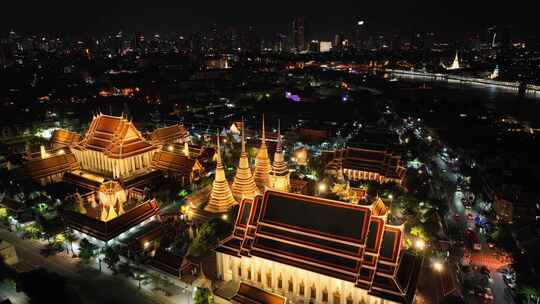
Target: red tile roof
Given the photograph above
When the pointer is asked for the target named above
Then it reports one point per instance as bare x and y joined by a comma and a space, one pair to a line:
115, 136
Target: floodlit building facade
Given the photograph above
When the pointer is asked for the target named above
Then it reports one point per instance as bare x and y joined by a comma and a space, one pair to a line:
318, 251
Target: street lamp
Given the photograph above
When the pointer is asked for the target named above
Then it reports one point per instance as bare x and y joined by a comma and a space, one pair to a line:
224, 217
438, 266
322, 187
419, 244
390, 196
170, 148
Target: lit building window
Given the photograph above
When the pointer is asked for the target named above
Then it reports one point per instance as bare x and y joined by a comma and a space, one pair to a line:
259, 277
279, 282
301, 290
325, 295
313, 293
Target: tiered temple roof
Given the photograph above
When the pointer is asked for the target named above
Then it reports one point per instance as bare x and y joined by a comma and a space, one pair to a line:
336, 239
244, 185
262, 164
114, 136
170, 134
369, 159
106, 231
221, 198
56, 164
63, 138
177, 163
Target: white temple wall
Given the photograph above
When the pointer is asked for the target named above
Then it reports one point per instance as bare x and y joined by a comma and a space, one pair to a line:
260, 272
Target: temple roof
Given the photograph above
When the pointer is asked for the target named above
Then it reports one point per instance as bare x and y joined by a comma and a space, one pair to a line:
56, 164
333, 238
62, 138
174, 162
114, 136
381, 161
248, 294
106, 231
170, 134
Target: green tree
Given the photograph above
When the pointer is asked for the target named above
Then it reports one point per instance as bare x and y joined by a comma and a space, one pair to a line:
87, 251
202, 296
70, 238
208, 236
111, 257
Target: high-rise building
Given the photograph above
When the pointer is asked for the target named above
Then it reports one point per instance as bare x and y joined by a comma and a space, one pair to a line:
338, 41
299, 34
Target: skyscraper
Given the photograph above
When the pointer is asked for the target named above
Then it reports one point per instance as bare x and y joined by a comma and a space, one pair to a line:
299, 34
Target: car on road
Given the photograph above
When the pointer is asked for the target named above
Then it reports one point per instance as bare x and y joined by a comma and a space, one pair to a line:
488, 295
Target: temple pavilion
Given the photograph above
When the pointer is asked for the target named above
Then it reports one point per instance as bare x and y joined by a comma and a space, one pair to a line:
318, 251
113, 147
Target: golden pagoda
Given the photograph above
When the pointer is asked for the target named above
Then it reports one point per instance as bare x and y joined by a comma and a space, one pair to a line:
280, 175
244, 185
262, 164
221, 198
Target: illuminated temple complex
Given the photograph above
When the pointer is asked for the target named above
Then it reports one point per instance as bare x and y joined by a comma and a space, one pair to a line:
109, 167
318, 251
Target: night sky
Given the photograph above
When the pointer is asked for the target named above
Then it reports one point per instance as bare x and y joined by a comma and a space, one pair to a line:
448, 18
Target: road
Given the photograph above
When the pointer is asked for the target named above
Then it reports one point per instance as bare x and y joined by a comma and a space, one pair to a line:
88, 286
500, 290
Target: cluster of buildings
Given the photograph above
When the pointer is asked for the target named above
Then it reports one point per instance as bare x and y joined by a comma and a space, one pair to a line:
285, 246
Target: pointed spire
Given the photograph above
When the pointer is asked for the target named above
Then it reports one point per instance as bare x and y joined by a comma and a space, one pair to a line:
280, 172
244, 185
263, 131
221, 198
243, 136
218, 152
262, 163
278, 146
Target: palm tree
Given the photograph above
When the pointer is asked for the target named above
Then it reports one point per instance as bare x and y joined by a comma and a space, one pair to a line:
70, 237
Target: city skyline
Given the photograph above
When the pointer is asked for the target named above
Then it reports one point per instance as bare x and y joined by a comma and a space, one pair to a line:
449, 19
